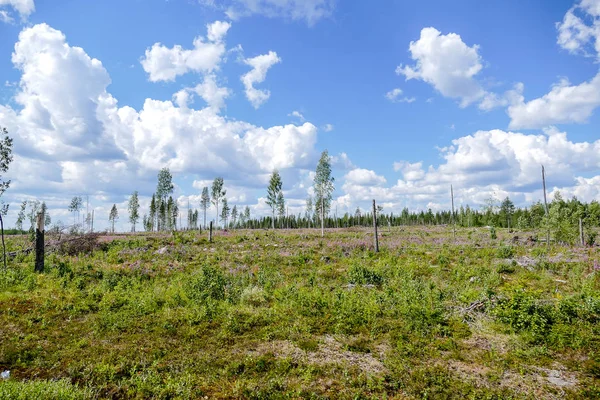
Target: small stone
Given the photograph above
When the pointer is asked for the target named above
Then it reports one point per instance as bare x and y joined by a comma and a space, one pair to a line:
5, 374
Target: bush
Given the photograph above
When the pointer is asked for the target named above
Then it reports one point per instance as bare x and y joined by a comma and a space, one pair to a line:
361, 275
524, 313
505, 252
42, 389
493, 234
209, 282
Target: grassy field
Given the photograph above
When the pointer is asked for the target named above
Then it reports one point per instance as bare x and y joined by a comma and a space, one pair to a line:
288, 314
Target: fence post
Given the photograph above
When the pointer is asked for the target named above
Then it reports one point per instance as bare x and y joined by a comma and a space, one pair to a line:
39, 243
210, 229
375, 227
581, 232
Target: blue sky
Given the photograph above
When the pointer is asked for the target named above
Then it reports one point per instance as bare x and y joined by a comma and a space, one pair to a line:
408, 97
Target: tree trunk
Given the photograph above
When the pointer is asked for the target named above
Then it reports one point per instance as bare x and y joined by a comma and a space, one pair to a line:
322, 216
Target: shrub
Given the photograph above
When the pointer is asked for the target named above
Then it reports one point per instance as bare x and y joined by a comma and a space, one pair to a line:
493, 234
42, 389
209, 282
361, 275
505, 252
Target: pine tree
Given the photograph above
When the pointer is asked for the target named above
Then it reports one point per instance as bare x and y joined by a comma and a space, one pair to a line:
225, 212
280, 206
152, 216
134, 206
204, 202
217, 193
113, 216
164, 188
309, 209
323, 187
21, 216
234, 215
273, 191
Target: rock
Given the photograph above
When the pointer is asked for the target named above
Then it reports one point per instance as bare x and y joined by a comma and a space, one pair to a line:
5, 374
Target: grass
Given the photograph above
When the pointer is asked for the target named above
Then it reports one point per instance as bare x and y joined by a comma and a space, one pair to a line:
288, 314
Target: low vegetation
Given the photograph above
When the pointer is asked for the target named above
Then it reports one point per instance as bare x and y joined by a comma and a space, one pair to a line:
288, 314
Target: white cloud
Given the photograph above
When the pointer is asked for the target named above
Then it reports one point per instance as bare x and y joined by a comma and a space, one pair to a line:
328, 127
488, 163
217, 30
310, 11
393, 96
577, 36
165, 64
297, 114
23, 7
446, 63
565, 103
72, 137
260, 65
5, 17
210, 92
364, 177
492, 100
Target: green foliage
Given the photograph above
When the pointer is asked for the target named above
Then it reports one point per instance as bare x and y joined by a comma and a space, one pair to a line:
43, 389
208, 283
505, 252
291, 315
493, 234
361, 275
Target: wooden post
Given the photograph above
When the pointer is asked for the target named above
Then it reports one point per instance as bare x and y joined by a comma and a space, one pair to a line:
546, 208
453, 222
581, 232
39, 244
210, 229
376, 241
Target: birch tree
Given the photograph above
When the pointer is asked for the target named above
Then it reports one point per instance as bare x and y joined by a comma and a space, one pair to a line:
134, 206
204, 202
217, 193
273, 191
323, 188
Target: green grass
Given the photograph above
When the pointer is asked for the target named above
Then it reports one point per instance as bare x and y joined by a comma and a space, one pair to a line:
260, 314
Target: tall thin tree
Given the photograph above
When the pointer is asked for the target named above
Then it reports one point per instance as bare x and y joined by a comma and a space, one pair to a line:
217, 193
134, 206
273, 191
113, 216
204, 202
323, 187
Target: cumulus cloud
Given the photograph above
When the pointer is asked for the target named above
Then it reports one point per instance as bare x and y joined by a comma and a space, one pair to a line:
394, 96
310, 11
165, 64
208, 90
71, 135
364, 177
446, 63
297, 114
23, 7
260, 65
578, 36
488, 163
565, 103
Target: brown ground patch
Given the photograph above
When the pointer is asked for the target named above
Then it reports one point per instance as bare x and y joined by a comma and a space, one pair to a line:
329, 351
534, 381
